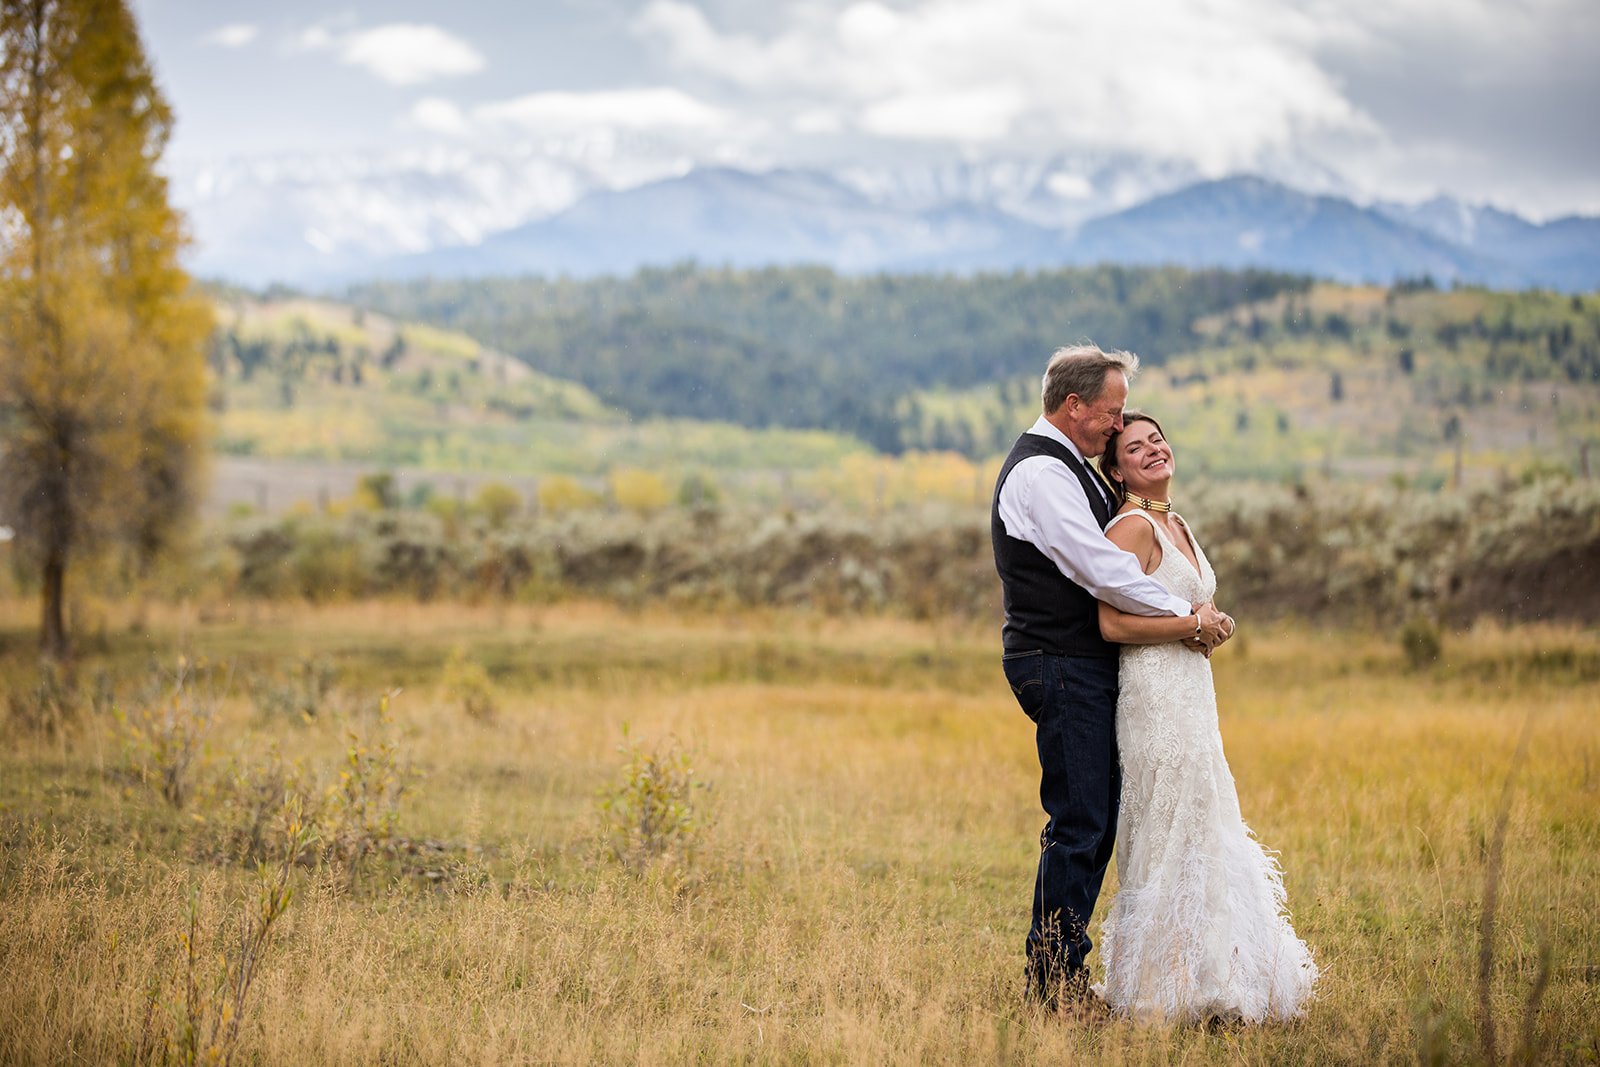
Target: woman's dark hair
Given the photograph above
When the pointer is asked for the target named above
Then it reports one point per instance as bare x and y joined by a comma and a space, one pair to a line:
1108, 458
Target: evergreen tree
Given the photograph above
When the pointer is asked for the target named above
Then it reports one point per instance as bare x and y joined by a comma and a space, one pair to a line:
102, 371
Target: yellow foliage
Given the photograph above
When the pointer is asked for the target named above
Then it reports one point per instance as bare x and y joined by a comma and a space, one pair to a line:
561, 493
498, 502
102, 376
877, 482
641, 491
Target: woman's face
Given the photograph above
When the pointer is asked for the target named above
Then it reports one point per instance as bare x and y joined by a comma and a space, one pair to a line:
1144, 459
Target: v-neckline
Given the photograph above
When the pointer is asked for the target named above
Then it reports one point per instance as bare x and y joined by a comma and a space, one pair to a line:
1194, 564
1161, 532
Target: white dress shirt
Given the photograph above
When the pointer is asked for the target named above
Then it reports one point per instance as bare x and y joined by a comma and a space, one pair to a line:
1042, 502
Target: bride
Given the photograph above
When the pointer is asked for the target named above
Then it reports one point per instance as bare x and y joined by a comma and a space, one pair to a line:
1199, 929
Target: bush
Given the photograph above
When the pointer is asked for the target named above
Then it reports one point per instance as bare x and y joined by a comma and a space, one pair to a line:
465, 684
164, 732
257, 796
655, 811
362, 809
207, 1020
639, 491
1419, 639
559, 493
497, 502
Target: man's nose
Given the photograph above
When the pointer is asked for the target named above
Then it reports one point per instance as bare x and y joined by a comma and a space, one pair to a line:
1116, 424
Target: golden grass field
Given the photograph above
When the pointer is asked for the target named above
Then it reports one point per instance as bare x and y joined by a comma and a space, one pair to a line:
860, 891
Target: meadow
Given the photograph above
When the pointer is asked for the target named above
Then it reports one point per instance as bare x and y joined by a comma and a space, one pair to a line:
514, 864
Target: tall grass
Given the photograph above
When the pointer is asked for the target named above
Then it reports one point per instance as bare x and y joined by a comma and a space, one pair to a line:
862, 893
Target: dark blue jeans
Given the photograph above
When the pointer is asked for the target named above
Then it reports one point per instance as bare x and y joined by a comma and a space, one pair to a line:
1073, 702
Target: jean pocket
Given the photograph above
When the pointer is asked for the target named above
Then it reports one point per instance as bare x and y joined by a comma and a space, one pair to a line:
1025, 673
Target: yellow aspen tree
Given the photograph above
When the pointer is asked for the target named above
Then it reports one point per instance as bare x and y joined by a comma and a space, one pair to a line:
102, 370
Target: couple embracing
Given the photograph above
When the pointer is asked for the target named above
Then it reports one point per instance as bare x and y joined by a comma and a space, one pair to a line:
1108, 635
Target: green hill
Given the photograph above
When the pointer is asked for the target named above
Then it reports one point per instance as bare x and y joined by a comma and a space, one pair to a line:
1254, 375
1368, 383
805, 347
316, 380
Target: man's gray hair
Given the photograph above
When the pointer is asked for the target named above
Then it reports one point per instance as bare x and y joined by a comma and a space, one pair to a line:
1081, 369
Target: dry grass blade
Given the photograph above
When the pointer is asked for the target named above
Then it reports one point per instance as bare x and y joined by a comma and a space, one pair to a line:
1491, 894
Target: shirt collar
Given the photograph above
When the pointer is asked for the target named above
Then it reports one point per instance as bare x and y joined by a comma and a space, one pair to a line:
1045, 428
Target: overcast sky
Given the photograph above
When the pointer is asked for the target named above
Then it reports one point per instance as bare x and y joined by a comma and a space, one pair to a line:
1489, 101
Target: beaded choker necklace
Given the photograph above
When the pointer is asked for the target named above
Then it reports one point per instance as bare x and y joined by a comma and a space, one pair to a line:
1160, 506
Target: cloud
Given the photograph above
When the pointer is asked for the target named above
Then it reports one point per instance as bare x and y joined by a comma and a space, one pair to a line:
639, 109
977, 113
440, 116
400, 53
233, 35
1215, 81
646, 110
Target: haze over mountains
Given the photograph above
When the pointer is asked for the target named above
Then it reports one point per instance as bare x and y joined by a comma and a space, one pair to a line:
317, 222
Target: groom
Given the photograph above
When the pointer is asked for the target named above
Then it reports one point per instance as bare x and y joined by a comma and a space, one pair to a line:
1050, 510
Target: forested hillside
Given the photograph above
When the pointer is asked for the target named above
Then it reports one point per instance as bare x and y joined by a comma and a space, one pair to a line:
1363, 382
805, 347
1261, 375
310, 380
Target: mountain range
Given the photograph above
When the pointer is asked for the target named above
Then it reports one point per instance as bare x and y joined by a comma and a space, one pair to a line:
464, 217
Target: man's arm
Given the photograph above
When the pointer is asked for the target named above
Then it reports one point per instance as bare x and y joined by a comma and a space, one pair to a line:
1042, 502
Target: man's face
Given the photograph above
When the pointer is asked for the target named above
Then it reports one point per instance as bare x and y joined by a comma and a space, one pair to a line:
1093, 424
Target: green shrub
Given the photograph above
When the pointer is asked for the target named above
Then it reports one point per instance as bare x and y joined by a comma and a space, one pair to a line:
497, 502
465, 684
362, 809
1419, 639
658, 809
165, 731
256, 796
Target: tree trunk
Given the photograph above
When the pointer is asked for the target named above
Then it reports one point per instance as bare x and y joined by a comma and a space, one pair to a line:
52, 627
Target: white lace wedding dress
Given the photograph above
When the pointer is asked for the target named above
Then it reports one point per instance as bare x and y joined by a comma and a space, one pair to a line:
1199, 928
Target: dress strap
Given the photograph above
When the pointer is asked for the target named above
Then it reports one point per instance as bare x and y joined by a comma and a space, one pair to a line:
1142, 514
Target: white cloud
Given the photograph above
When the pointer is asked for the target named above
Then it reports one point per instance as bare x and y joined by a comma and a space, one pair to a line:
657, 111
1070, 186
233, 35
441, 116
1215, 81
400, 53
637, 109
979, 113
404, 53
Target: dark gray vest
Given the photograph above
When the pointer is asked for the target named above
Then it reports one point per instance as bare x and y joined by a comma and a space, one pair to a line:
1044, 608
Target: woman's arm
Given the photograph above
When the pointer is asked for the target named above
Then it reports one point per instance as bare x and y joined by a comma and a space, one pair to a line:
1121, 628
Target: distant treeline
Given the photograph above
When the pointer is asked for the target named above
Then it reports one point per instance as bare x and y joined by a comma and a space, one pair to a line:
806, 347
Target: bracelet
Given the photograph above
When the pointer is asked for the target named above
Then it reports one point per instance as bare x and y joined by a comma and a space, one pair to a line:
1197, 624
